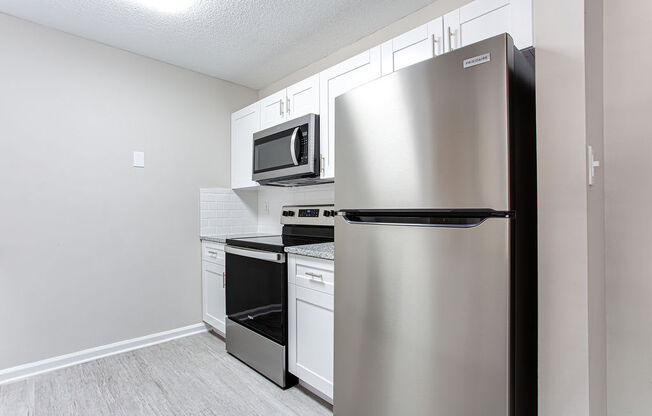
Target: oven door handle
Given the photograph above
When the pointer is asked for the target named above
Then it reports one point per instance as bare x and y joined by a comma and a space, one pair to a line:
293, 143
256, 254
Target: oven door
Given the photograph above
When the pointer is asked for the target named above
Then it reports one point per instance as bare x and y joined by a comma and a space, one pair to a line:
256, 291
289, 150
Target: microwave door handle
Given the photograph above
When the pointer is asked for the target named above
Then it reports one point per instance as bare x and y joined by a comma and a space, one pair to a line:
293, 152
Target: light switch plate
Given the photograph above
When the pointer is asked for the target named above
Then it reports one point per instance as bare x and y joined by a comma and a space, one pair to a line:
139, 159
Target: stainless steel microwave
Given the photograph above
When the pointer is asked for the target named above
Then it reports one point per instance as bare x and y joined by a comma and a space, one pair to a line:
288, 154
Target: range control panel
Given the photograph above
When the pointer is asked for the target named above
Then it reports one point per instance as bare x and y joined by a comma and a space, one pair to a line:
308, 214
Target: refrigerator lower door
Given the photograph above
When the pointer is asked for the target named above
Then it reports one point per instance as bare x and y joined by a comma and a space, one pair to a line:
422, 319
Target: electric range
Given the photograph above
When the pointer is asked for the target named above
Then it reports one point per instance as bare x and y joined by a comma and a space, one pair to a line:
256, 289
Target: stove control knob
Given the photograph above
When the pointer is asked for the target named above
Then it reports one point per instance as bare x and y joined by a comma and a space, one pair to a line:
286, 213
291, 213
333, 213
327, 213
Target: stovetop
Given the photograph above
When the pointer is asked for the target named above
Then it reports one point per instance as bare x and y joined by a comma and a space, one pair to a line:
302, 224
275, 243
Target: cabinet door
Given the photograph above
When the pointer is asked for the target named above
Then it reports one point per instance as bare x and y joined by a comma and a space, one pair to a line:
436, 31
273, 109
311, 337
411, 47
303, 97
407, 49
452, 30
482, 19
521, 23
243, 125
335, 81
213, 295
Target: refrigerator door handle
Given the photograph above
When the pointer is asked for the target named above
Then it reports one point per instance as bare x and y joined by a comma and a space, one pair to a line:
449, 219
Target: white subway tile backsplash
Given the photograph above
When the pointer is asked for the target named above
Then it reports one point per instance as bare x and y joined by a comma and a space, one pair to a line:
276, 198
223, 211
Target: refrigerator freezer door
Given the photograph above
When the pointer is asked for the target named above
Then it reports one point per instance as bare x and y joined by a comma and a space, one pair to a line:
433, 135
421, 319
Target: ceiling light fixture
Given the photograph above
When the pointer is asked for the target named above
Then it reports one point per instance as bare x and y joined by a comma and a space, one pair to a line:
167, 6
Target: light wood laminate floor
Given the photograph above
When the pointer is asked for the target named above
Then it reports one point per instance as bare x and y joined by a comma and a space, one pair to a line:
187, 376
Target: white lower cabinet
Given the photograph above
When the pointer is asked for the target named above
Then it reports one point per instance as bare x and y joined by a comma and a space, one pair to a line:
311, 322
214, 286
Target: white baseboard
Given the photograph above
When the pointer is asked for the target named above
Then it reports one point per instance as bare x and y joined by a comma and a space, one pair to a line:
50, 364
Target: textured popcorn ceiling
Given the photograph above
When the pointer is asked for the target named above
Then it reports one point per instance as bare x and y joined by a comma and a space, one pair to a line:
249, 42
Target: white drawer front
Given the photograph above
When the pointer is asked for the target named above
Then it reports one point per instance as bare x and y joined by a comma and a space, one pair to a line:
311, 273
213, 252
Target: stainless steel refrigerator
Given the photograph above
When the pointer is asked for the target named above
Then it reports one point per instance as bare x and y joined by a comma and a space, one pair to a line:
435, 241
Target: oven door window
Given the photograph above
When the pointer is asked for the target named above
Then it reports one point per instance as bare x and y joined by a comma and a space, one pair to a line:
256, 295
281, 150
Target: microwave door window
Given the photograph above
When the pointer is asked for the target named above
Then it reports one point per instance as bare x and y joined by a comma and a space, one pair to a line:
273, 154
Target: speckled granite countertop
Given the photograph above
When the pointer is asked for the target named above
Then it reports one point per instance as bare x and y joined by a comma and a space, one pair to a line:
221, 238
321, 251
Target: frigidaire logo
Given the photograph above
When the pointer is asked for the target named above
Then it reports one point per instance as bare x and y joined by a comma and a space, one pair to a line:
477, 60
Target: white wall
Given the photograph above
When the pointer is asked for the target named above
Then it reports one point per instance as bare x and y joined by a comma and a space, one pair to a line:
593, 35
628, 146
92, 250
571, 288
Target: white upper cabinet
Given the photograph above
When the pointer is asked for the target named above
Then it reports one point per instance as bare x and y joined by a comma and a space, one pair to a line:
482, 19
272, 109
303, 98
452, 30
521, 26
436, 32
243, 125
476, 21
417, 45
335, 81
295, 101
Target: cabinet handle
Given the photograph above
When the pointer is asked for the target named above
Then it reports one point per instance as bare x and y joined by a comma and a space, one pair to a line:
223, 280
322, 168
451, 35
287, 105
212, 253
315, 276
281, 112
436, 45
293, 142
